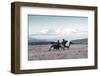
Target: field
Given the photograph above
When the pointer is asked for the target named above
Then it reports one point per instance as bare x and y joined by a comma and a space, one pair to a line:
40, 52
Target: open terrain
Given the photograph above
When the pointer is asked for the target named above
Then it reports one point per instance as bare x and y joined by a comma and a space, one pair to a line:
40, 52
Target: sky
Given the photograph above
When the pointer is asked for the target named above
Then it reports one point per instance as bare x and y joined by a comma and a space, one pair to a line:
58, 27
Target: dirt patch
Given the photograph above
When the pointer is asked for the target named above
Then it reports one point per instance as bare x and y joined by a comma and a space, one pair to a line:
41, 52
